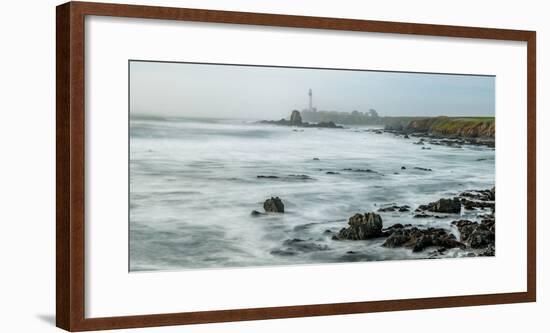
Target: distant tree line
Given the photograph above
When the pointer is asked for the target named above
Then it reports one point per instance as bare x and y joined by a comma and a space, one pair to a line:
346, 118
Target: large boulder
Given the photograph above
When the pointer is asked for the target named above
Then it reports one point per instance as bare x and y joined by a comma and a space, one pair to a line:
443, 206
295, 118
361, 227
274, 205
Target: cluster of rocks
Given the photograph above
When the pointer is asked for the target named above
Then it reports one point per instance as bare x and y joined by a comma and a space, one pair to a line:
477, 236
369, 225
420, 239
296, 120
393, 208
442, 140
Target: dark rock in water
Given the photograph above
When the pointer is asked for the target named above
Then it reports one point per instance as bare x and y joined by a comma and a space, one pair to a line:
477, 235
405, 136
267, 177
332, 173
323, 124
421, 215
316, 158
295, 118
274, 205
403, 168
361, 227
480, 195
443, 206
304, 246
471, 204
420, 239
283, 253
422, 169
359, 170
256, 213
296, 245
303, 177
394, 208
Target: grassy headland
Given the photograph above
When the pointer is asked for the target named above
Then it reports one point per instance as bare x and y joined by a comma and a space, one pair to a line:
468, 127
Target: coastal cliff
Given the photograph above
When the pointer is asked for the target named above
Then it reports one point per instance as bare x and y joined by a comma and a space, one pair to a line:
460, 127
464, 127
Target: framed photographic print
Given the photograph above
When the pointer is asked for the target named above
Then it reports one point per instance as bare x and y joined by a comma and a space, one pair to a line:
222, 166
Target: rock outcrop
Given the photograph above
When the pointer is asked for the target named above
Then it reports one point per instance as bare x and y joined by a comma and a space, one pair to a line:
361, 227
419, 239
274, 205
295, 118
442, 206
477, 235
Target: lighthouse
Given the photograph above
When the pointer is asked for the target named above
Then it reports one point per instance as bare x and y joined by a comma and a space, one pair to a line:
310, 99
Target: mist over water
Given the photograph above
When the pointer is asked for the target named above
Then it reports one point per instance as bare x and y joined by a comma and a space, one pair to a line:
193, 185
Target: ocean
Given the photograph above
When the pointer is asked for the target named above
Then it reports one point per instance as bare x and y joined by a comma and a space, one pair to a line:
194, 183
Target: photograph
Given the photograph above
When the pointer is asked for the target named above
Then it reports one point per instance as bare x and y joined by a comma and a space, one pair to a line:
236, 165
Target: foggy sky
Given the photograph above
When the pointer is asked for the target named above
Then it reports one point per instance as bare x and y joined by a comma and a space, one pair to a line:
246, 92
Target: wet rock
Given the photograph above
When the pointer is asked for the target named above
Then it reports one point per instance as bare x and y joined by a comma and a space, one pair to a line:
405, 136
394, 208
420, 239
295, 118
359, 170
267, 177
361, 227
422, 169
332, 173
316, 159
302, 177
472, 204
477, 235
256, 213
274, 205
443, 206
295, 246
479, 195
403, 168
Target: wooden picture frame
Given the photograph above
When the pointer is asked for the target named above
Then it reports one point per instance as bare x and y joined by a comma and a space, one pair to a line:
70, 138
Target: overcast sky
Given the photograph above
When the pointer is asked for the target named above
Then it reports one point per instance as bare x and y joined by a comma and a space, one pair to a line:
246, 92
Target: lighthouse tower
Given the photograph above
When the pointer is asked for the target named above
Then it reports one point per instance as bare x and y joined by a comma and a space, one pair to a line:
310, 99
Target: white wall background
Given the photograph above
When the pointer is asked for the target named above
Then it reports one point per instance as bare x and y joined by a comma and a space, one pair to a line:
27, 164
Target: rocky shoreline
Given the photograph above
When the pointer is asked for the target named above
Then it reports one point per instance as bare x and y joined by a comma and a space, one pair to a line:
446, 131
475, 237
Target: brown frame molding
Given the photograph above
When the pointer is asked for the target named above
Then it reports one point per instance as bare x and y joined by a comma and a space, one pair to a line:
70, 160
